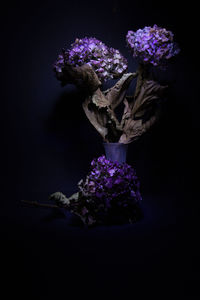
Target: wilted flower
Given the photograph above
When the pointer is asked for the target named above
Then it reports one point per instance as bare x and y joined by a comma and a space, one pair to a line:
109, 186
152, 45
107, 62
111, 179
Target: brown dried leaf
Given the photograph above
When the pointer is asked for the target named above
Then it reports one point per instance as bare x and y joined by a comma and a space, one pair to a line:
116, 94
97, 117
83, 76
102, 117
133, 129
127, 112
141, 114
99, 99
150, 92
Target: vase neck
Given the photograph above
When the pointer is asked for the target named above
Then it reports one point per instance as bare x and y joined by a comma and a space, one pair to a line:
116, 151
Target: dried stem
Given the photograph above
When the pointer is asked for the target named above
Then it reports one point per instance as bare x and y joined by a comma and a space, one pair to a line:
37, 204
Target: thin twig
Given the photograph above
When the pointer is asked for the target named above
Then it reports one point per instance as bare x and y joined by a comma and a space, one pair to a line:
37, 204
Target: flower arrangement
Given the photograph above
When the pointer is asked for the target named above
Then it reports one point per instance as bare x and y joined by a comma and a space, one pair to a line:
110, 188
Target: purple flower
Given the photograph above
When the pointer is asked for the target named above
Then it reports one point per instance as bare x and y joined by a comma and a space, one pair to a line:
111, 172
109, 183
110, 188
114, 181
152, 45
107, 62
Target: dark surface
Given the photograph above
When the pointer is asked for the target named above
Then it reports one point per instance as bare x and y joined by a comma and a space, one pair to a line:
47, 144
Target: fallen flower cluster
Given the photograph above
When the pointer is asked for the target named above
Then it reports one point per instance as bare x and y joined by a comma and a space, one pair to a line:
110, 189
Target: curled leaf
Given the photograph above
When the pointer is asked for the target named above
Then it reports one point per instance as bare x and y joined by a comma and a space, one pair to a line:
140, 115
82, 76
150, 92
116, 94
133, 129
61, 200
102, 117
96, 116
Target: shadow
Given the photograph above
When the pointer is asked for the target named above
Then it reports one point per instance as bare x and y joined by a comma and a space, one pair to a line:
66, 115
54, 214
114, 218
63, 214
118, 217
71, 134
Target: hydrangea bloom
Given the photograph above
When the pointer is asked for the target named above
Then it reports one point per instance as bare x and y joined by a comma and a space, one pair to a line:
107, 62
110, 180
152, 45
109, 186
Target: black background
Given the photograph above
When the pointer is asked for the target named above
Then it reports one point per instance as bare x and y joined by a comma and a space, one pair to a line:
47, 145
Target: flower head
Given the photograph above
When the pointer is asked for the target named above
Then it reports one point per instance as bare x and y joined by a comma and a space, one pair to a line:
107, 62
152, 45
110, 188
111, 180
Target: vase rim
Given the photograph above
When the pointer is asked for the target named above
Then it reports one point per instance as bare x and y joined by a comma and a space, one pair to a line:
105, 143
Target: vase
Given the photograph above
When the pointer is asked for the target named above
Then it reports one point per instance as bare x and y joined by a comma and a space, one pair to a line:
116, 151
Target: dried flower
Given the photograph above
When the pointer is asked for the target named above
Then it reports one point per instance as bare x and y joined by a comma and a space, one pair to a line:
152, 45
107, 62
109, 186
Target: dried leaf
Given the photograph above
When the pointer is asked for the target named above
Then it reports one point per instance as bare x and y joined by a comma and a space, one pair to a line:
116, 94
96, 117
150, 92
102, 117
141, 114
83, 77
133, 129
61, 200
127, 112
99, 99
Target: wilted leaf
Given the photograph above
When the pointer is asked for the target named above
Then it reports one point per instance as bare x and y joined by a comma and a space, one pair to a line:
116, 94
133, 129
102, 117
96, 117
61, 200
83, 76
141, 114
150, 92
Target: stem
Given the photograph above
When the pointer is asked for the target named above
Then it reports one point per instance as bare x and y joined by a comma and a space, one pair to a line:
139, 80
37, 204
143, 74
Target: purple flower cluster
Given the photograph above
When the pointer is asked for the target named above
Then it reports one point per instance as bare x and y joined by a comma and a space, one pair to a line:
152, 45
110, 189
107, 62
111, 183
